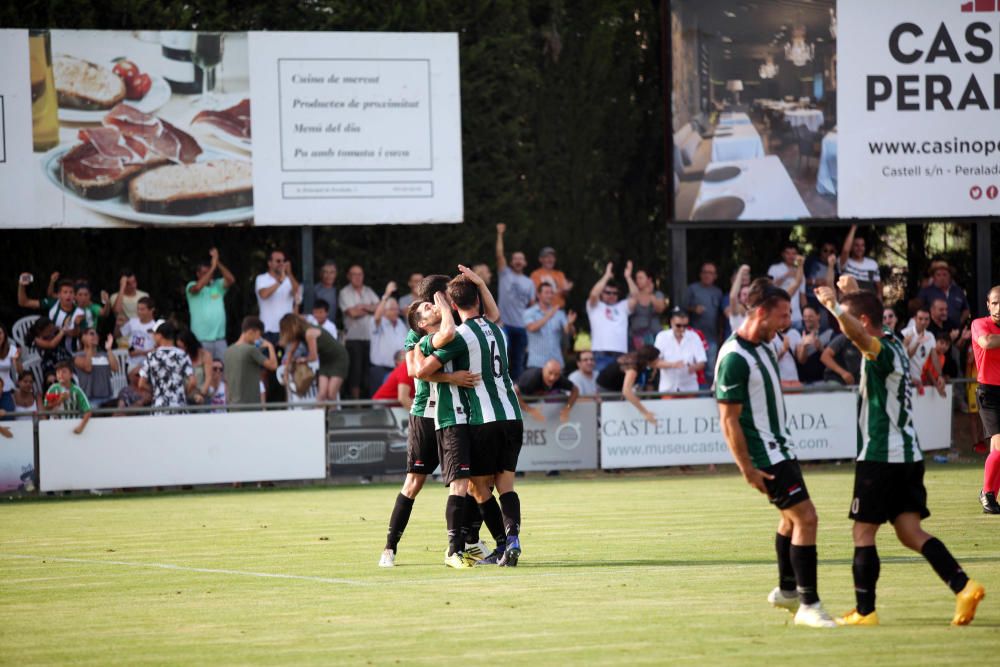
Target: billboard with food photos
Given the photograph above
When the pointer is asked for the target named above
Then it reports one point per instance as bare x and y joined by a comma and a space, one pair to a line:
795, 111
116, 129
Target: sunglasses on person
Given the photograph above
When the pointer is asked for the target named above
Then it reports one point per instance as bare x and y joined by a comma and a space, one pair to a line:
610, 292
586, 360
217, 369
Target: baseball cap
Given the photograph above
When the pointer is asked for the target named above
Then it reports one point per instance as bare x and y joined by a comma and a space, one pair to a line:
547, 250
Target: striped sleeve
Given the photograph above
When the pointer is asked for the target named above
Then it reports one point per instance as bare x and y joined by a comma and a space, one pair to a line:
732, 379
412, 338
453, 349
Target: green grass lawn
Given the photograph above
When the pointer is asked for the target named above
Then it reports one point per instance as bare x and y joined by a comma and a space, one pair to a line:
636, 569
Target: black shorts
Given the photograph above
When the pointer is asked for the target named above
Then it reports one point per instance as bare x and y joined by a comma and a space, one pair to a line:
496, 446
421, 446
787, 489
883, 491
454, 451
988, 397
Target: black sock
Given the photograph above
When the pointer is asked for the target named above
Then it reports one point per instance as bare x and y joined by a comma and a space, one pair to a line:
804, 563
866, 569
510, 504
454, 510
473, 520
490, 512
397, 521
944, 564
786, 575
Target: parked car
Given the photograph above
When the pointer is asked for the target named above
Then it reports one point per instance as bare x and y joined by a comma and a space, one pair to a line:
366, 442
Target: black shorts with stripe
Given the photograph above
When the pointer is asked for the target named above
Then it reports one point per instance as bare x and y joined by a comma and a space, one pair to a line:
883, 491
421, 446
496, 446
988, 397
787, 489
454, 450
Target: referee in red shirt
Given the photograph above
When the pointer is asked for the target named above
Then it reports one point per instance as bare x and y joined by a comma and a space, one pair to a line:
986, 348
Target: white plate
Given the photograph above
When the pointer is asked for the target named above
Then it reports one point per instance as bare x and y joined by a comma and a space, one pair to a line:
119, 207
222, 135
158, 95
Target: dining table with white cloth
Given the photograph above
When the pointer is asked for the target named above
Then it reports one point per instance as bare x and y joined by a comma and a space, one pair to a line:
734, 118
826, 178
764, 186
811, 118
737, 142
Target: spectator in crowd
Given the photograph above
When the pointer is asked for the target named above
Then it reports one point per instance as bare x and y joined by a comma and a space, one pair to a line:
321, 317
277, 293
548, 273
126, 299
942, 286
809, 351
736, 308
10, 367
919, 343
890, 320
842, 360
388, 334
629, 371
935, 371
325, 289
329, 357
133, 395
94, 367
940, 322
358, 302
703, 302
168, 373
546, 325
139, 332
64, 396
821, 271
206, 303
398, 386
26, 400
90, 313
215, 393
413, 283
483, 271
244, 360
789, 275
201, 362
583, 377
644, 323
48, 340
854, 263
516, 292
61, 310
786, 345
682, 355
609, 318
547, 380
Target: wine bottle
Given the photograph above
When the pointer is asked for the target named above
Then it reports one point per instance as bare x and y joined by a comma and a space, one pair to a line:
178, 67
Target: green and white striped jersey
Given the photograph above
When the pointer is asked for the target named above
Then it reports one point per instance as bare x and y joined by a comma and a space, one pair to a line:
885, 411
422, 406
449, 403
479, 347
748, 374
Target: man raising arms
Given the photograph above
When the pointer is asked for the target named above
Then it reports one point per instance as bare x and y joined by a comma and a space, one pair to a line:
889, 475
752, 412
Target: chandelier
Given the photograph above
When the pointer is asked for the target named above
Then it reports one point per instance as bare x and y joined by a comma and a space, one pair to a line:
798, 51
833, 24
768, 70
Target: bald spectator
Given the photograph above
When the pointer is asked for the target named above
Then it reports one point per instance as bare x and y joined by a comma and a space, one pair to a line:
516, 293
942, 286
388, 334
277, 293
325, 289
940, 322
548, 381
358, 303
547, 273
206, 303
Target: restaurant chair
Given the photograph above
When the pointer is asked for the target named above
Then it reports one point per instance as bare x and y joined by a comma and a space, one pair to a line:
809, 145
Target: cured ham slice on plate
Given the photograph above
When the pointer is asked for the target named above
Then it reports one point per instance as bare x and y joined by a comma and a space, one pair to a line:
234, 121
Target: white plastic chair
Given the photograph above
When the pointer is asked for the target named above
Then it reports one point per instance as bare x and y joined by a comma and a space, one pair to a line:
119, 378
21, 327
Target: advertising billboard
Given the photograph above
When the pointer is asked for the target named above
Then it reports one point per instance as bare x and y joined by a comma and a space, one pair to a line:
115, 128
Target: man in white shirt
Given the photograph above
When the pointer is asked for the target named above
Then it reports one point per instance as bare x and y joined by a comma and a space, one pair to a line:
919, 343
583, 377
789, 275
682, 355
609, 318
388, 334
138, 331
854, 263
358, 302
277, 293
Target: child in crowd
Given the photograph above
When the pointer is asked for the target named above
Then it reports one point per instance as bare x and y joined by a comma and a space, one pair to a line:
66, 396
933, 373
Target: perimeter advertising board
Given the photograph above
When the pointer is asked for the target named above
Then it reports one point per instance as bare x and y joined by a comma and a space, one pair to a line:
835, 109
114, 128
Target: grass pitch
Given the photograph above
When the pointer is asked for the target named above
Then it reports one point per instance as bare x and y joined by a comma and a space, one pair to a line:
616, 570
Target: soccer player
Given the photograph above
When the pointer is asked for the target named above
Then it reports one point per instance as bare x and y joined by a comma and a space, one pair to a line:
421, 446
986, 348
889, 474
495, 417
752, 412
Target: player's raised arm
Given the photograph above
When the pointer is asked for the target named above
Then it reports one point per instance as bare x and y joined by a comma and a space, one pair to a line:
490, 309
850, 325
446, 332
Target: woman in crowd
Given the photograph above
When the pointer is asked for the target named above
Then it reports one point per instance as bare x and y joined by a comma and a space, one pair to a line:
631, 370
26, 399
10, 367
644, 322
321, 347
94, 366
216, 388
201, 360
890, 321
